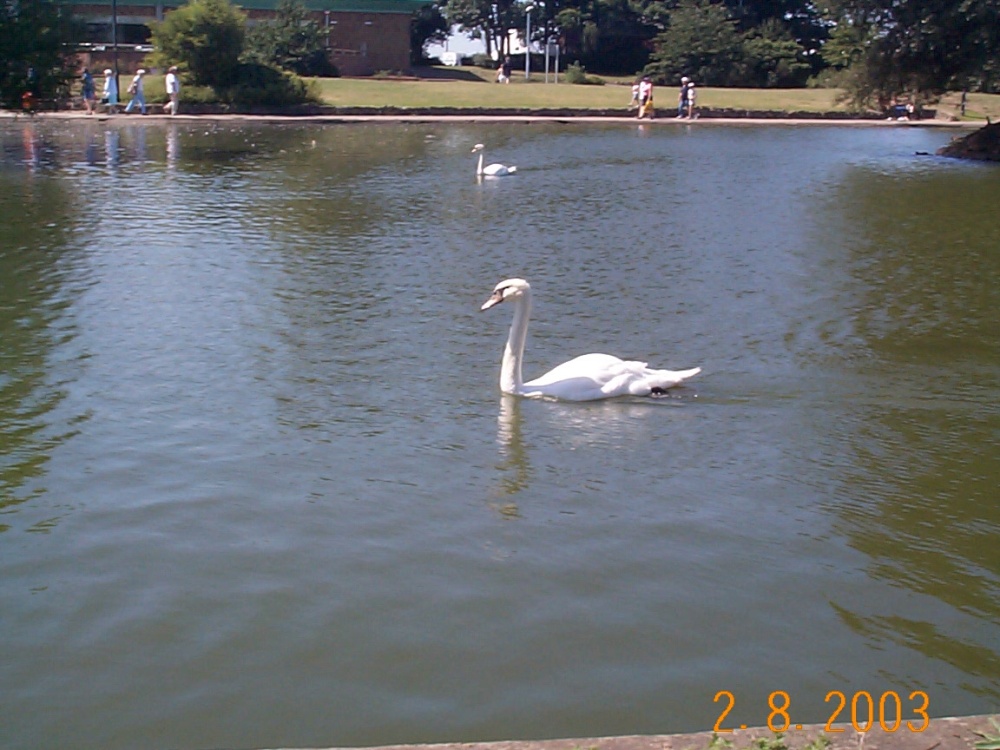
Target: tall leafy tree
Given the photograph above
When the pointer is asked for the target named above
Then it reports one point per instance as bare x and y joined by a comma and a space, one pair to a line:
701, 42
480, 19
608, 36
291, 40
427, 26
204, 38
772, 58
922, 46
36, 37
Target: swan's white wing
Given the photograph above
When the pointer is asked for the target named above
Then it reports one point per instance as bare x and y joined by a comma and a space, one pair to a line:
498, 170
593, 366
595, 376
662, 379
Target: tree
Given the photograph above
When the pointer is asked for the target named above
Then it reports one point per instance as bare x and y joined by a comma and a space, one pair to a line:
701, 42
35, 39
203, 38
427, 25
290, 41
845, 46
921, 47
477, 18
618, 38
772, 58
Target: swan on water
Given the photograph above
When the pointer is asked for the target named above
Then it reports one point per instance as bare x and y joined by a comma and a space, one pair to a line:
585, 378
490, 170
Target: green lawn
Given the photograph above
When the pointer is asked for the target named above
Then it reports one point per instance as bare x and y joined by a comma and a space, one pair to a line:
474, 87
469, 87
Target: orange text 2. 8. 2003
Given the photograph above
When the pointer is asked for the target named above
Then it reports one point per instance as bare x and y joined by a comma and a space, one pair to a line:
889, 711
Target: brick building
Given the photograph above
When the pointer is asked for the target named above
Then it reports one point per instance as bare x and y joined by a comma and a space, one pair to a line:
363, 36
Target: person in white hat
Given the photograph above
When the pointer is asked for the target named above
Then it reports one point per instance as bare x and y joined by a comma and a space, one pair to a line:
136, 90
682, 99
110, 91
692, 97
173, 84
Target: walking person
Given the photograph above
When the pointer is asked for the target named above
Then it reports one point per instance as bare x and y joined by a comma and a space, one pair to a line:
645, 98
88, 90
692, 99
138, 94
634, 104
503, 72
173, 84
110, 91
682, 98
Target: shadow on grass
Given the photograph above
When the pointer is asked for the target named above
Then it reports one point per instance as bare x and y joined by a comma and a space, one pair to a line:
443, 73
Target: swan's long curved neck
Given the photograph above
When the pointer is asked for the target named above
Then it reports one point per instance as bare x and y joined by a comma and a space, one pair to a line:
479, 169
513, 353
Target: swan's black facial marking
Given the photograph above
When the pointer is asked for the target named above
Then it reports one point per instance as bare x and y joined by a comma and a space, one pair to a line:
495, 299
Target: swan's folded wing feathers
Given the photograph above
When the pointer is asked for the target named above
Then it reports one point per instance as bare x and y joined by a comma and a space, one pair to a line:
595, 368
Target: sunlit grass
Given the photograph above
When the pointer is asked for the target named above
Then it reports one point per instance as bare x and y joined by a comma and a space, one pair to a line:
477, 90
474, 88
423, 94
536, 94
977, 106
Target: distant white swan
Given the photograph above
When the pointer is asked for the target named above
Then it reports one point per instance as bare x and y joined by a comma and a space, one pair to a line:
586, 378
491, 170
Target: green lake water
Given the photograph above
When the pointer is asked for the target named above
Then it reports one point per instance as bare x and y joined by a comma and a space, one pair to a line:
259, 487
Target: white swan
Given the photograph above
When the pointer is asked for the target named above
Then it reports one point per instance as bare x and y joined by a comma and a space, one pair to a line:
491, 170
586, 378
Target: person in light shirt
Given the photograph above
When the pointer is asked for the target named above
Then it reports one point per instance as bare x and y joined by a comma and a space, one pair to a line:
692, 99
645, 98
110, 91
137, 91
173, 84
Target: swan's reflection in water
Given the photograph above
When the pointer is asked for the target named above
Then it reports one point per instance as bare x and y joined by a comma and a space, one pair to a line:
616, 424
612, 424
515, 472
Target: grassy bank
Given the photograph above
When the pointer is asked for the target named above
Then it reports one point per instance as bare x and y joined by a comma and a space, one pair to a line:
474, 88
468, 87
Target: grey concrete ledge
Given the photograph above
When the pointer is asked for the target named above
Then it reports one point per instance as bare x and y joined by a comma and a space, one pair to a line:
952, 733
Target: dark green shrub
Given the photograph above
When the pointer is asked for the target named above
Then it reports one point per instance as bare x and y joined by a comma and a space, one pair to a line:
34, 40
198, 95
290, 41
576, 73
258, 84
204, 38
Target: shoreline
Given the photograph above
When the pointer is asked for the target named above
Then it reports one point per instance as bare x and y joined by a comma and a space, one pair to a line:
947, 733
527, 117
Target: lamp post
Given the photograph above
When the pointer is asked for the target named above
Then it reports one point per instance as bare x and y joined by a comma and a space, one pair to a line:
527, 42
114, 38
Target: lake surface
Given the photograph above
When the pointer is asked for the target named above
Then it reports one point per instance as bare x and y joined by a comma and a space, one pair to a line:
260, 488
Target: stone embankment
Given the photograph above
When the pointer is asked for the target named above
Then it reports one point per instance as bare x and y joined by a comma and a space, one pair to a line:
955, 733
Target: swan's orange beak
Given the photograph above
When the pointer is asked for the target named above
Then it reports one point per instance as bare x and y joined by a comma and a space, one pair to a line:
495, 299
